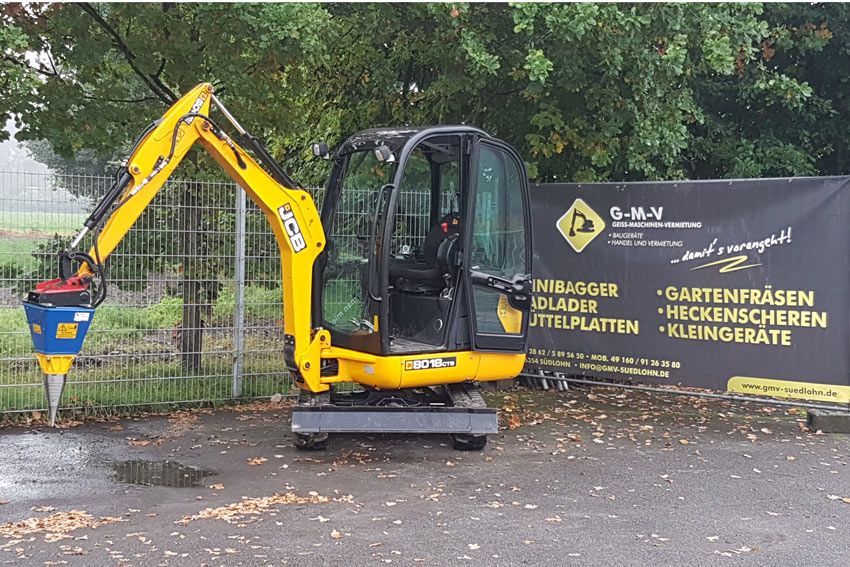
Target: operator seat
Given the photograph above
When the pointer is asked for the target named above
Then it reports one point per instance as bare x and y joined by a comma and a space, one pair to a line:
424, 274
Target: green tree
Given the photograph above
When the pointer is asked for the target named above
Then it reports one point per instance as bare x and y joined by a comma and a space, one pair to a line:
779, 114
98, 73
585, 91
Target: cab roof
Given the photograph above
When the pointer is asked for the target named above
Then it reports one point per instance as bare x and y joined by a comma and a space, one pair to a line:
396, 138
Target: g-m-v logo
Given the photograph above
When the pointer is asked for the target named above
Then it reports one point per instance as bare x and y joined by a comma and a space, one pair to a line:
429, 363
293, 231
579, 225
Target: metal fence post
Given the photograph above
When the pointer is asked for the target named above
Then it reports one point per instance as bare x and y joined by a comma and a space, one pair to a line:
239, 300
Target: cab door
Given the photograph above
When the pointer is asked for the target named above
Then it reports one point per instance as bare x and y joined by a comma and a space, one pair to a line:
498, 256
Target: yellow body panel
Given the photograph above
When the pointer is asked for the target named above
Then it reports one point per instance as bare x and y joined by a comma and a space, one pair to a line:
420, 370
55, 363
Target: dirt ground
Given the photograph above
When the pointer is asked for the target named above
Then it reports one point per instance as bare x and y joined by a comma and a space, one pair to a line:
586, 477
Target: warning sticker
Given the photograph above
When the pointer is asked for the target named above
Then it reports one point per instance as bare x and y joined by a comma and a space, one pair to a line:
66, 331
36, 328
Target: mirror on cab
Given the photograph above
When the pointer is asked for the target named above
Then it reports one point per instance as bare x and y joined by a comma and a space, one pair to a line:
384, 154
320, 149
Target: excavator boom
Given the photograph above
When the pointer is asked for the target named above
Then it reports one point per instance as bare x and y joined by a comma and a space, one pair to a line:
290, 211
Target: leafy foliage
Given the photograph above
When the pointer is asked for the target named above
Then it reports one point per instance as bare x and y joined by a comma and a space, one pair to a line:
585, 91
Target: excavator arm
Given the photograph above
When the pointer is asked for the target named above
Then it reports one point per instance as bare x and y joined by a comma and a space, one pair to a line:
290, 211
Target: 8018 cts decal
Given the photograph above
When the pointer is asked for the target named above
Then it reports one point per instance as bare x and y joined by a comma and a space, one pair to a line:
293, 231
429, 363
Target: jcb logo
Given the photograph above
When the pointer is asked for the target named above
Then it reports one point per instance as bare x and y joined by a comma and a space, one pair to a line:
196, 107
428, 363
296, 239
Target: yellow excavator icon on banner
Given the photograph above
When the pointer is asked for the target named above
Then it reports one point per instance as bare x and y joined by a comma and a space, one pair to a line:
579, 225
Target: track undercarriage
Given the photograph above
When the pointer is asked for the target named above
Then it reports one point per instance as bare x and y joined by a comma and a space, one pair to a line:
458, 410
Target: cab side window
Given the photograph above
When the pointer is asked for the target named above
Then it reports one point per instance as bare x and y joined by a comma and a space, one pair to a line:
498, 239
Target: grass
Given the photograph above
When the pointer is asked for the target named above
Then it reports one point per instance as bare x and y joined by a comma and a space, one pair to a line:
44, 223
147, 384
131, 356
20, 233
115, 326
16, 252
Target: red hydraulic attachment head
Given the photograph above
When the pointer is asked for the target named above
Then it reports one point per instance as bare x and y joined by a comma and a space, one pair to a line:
73, 291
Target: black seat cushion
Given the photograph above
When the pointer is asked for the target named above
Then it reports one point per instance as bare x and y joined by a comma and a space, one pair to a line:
424, 274
416, 271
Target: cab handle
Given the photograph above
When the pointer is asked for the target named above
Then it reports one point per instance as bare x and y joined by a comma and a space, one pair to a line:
517, 288
380, 206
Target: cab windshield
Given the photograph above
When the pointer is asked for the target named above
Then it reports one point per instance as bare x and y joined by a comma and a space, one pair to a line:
364, 173
345, 299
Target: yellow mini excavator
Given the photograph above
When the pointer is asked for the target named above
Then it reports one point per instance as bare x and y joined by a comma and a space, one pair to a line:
418, 299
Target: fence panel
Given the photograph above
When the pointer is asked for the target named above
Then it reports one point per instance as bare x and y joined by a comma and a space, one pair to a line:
166, 332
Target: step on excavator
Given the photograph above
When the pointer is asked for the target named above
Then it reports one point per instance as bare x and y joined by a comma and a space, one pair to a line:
417, 298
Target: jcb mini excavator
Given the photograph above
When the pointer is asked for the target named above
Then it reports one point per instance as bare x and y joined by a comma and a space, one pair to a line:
416, 301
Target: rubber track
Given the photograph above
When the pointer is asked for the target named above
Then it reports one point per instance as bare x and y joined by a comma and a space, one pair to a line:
466, 396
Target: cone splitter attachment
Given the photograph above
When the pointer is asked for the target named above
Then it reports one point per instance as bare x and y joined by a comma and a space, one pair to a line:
57, 335
54, 384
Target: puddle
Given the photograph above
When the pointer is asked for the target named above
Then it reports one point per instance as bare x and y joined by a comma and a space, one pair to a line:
159, 473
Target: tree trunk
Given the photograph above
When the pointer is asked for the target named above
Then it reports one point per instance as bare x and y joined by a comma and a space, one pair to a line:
192, 332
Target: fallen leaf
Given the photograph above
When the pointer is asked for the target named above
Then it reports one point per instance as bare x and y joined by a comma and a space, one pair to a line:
56, 524
335, 534
256, 461
514, 421
234, 513
844, 499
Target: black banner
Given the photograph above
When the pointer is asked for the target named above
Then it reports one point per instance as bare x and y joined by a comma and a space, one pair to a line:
740, 286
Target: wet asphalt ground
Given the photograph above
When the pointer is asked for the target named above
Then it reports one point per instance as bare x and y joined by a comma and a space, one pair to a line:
586, 477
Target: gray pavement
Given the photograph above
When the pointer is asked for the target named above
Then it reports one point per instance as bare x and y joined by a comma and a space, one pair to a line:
587, 477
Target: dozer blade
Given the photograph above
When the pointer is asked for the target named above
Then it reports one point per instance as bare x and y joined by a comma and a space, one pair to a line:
342, 419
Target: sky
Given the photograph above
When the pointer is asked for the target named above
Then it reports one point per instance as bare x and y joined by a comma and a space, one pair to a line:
14, 157
26, 184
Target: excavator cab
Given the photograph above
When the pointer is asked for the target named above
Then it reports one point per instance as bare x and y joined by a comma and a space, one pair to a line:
428, 249
414, 281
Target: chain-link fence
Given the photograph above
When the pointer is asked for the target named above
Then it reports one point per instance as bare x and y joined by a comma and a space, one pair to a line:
193, 309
